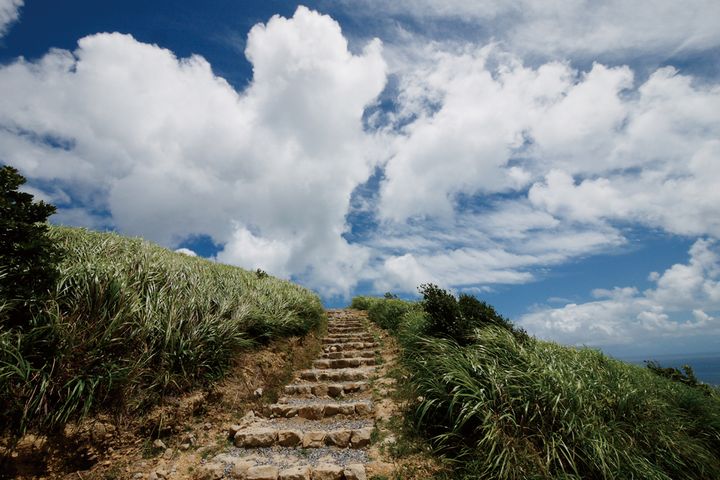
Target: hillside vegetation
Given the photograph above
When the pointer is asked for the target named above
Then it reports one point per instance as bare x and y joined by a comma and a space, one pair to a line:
129, 322
500, 404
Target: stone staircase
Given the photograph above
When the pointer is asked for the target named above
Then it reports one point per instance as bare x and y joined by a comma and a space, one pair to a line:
322, 427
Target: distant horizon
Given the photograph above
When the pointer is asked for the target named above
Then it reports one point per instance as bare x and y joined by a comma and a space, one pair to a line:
558, 160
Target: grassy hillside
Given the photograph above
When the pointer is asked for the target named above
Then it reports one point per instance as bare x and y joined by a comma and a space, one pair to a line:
129, 322
501, 404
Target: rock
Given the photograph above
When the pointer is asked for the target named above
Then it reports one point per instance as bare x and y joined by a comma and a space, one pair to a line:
361, 438
159, 444
163, 474
262, 472
311, 412
379, 469
355, 471
258, 393
331, 409
240, 468
207, 426
327, 471
338, 438
313, 439
138, 475
211, 471
320, 390
184, 446
247, 419
363, 408
346, 409
335, 390
255, 437
153, 476
168, 453
295, 473
289, 438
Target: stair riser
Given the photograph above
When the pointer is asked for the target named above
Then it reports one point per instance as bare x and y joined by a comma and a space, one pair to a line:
318, 412
349, 354
323, 390
358, 438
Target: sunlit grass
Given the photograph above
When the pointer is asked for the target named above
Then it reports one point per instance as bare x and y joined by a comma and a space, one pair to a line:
130, 322
512, 407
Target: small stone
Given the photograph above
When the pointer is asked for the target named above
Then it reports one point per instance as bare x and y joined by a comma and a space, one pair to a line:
138, 475
262, 472
295, 473
207, 426
311, 412
338, 438
159, 444
363, 408
167, 455
333, 349
355, 471
162, 473
327, 471
361, 437
255, 437
335, 390
289, 438
258, 393
153, 476
320, 390
184, 446
240, 467
313, 439
212, 471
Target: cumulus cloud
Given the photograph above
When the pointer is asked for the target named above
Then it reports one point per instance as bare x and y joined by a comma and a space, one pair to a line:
186, 251
9, 13
171, 150
684, 302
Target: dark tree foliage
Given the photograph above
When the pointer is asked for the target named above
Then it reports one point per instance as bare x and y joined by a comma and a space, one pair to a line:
444, 316
458, 318
28, 257
687, 377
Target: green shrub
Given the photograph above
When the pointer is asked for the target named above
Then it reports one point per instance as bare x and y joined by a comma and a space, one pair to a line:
363, 302
387, 313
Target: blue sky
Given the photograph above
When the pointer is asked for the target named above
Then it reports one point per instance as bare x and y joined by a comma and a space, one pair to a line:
558, 159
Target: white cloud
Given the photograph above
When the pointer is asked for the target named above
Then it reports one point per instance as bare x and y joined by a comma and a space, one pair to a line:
9, 13
572, 27
186, 251
172, 150
683, 303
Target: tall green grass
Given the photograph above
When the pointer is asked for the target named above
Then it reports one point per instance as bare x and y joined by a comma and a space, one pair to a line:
509, 406
130, 322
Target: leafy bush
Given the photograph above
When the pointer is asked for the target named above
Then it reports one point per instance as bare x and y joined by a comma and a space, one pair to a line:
508, 409
129, 322
387, 313
28, 257
364, 303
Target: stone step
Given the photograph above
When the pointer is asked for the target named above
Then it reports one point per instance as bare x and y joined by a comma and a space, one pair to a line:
355, 338
326, 363
349, 354
319, 408
305, 434
332, 390
290, 464
359, 333
337, 375
342, 346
